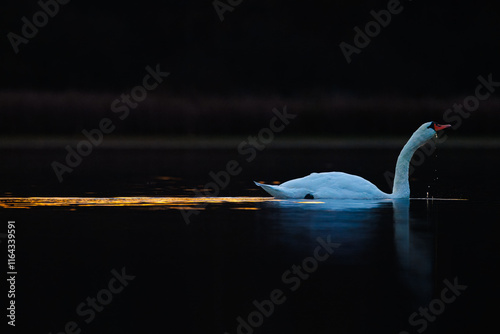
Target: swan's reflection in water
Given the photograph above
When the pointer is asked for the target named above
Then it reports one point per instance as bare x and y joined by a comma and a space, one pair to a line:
371, 232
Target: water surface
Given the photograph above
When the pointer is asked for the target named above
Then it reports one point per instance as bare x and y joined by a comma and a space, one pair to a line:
202, 263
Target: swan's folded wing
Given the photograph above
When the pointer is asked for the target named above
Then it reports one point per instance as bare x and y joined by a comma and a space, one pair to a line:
335, 185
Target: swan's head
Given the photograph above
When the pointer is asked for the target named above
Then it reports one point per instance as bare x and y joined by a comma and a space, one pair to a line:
435, 126
432, 127
426, 131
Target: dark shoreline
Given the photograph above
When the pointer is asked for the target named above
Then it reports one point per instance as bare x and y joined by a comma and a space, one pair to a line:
69, 113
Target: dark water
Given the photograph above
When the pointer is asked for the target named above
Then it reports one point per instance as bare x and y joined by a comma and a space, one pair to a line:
307, 266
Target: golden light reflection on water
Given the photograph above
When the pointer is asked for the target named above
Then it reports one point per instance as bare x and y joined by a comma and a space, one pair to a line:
180, 203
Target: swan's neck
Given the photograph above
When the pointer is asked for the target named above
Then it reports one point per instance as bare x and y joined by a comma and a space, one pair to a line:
401, 187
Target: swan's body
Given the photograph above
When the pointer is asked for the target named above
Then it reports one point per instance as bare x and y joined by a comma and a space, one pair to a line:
336, 185
340, 185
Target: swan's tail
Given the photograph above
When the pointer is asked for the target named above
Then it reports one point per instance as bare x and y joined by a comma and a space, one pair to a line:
273, 190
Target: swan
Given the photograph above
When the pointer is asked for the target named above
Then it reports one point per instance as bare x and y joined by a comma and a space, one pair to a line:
339, 185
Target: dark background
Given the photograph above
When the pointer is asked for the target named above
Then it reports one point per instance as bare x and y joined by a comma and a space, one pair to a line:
226, 77
264, 54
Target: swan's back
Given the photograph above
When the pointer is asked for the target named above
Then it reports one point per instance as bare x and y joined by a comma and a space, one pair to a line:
329, 185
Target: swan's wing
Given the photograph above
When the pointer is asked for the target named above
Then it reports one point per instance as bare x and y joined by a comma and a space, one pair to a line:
335, 185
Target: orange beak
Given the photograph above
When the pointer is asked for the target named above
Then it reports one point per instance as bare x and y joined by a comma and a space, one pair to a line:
438, 127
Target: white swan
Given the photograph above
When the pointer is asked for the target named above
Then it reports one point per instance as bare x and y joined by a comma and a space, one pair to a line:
340, 185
